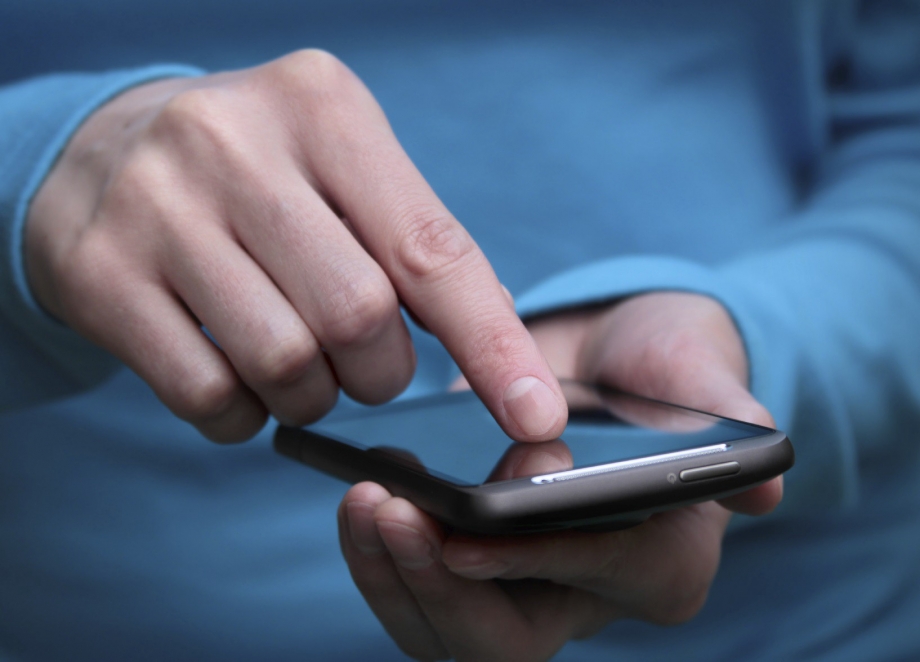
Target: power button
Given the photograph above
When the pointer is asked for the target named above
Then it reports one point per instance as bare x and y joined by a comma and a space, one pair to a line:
711, 471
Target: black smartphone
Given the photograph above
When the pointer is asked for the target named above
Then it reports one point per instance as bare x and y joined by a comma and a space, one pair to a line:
621, 458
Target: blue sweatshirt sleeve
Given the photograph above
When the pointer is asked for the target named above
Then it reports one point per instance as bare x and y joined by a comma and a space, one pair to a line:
39, 357
829, 308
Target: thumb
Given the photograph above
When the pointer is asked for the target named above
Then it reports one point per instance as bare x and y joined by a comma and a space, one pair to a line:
764, 498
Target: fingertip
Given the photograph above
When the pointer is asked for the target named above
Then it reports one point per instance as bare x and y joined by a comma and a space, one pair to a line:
367, 492
356, 517
536, 409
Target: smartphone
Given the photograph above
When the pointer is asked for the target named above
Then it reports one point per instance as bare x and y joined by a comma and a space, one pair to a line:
621, 458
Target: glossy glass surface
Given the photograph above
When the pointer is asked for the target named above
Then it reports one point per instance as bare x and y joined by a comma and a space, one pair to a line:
454, 436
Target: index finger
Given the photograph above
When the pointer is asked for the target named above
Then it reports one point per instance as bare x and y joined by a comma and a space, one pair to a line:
432, 261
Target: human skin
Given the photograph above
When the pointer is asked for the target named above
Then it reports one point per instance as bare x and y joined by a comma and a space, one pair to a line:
275, 207
444, 595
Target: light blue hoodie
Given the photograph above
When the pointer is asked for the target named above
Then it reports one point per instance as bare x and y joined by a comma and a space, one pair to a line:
766, 153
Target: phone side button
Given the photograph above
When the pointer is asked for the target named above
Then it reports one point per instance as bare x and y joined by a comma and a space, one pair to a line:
712, 471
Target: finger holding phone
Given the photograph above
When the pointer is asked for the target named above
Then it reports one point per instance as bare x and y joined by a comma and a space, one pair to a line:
443, 594
274, 207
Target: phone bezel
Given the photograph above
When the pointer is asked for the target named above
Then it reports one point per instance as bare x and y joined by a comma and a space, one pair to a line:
598, 499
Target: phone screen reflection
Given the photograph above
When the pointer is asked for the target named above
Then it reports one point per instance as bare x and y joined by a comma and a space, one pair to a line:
455, 438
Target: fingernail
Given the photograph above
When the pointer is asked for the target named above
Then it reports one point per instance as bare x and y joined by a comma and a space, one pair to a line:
471, 562
531, 405
363, 529
408, 547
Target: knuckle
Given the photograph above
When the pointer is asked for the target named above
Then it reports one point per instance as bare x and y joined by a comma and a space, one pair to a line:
311, 69
187, 108
204, 394
139, 202
285, 361
432, 243
143, 207
138, 183
358, 311
199, 119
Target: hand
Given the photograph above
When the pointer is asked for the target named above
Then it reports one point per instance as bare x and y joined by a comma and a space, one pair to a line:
275, 207
443, 595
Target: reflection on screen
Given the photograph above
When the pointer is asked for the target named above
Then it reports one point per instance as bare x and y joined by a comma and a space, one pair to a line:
455, 437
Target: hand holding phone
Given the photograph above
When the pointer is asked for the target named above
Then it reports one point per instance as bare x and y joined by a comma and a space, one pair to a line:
440, 593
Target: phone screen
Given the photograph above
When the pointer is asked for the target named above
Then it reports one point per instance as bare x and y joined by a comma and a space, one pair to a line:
454, 437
